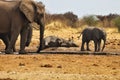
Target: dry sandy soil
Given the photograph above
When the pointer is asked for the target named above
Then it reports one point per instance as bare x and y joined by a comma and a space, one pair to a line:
62, 66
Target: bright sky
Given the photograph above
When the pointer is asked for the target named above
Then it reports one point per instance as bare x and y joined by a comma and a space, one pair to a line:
83, 7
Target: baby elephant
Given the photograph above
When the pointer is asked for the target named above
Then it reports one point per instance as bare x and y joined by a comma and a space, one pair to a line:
95, 34
53, 41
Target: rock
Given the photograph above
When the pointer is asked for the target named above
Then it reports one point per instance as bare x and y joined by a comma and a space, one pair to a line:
47, 65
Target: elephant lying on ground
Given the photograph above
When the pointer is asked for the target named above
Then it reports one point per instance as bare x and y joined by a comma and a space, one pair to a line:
15, 16
53, 41
95, 34
6, 38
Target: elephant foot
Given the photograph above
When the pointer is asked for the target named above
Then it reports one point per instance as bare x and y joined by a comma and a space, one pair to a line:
88, 50
22, 52
96, 51
82, 49
8, 51
39, 49
27, 44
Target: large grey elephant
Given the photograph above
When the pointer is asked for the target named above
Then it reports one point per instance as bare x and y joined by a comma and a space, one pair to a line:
15, 16
95, 34
53, 41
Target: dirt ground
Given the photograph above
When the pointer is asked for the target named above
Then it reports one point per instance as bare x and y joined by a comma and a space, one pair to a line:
62, 66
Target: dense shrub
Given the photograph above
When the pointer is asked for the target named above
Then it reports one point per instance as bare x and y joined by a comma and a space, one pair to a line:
117, 23
67, 18
71, 18
90, 20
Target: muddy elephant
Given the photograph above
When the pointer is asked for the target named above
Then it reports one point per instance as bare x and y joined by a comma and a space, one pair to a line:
6, 38
95, 34
15, 16
53, 41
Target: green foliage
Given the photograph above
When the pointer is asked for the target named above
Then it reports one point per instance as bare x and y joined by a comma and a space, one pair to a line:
68, 18
117, 23
90, 20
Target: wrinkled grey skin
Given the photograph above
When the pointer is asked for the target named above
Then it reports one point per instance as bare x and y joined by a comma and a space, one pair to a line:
95, 34
29, 36
15, 16
53, 41
6, 38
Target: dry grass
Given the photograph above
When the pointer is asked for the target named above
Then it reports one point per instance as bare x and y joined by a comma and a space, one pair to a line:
61, 30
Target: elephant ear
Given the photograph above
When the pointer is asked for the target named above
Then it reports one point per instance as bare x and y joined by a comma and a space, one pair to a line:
26, 6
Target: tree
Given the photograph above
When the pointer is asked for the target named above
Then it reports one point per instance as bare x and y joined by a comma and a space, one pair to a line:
71, 18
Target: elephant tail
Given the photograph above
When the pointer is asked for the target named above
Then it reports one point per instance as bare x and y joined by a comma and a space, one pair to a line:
79, 36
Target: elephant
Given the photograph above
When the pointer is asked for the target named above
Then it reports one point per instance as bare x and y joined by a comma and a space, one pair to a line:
53, 41
15, 16
95, 34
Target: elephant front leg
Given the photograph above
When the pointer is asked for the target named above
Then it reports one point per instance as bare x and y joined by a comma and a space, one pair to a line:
23, 41
87, 44
99, 45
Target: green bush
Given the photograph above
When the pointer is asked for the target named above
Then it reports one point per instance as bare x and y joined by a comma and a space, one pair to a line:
117, 23
90, 20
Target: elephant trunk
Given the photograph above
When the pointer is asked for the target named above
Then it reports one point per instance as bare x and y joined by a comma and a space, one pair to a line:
42, 26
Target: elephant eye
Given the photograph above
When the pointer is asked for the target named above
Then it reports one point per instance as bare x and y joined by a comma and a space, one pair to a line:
41, 15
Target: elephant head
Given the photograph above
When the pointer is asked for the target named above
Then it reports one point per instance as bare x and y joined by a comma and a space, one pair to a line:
34, 12
67, 43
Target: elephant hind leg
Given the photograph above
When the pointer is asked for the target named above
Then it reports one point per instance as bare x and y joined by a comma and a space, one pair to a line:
95, 46
6, 42
14, 35
87, 44
82, 46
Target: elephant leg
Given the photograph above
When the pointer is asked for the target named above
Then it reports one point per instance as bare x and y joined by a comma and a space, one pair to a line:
29, 36
23, 41
6, 42
99, 42
82, 46
95, 45
14, 49
14, 35
87, 44
8, 39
